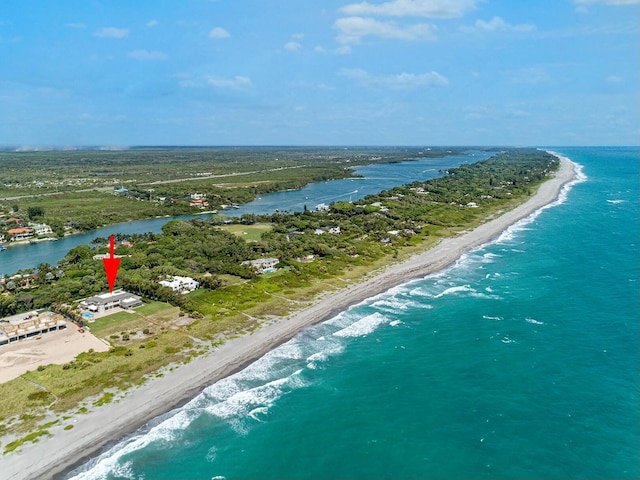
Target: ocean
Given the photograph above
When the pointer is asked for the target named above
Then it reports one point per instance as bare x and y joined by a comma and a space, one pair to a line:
519, 361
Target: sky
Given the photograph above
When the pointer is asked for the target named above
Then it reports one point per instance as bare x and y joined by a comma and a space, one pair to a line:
319, 72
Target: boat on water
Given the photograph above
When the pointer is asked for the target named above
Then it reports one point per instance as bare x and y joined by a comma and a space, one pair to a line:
2, 248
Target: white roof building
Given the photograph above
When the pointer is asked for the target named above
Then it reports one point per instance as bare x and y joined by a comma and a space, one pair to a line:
41, 228
107, 301
180, 284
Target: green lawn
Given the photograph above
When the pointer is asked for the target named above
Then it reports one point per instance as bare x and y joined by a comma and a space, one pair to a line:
130, 320
152, 307
251, 233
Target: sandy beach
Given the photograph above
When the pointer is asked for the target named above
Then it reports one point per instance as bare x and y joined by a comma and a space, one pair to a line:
92, 431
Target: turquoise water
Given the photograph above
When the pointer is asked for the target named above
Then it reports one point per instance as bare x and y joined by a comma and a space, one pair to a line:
520, 361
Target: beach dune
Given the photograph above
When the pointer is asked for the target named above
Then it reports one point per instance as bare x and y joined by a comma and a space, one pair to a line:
56, 454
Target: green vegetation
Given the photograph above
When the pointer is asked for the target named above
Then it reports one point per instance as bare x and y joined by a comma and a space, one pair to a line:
234, 299
75, 190
32, 437
105, 399
53, 171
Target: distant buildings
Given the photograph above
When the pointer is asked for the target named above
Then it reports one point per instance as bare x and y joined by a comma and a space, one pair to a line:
200, 203
102, 256
180, 284
108, 301
198, 200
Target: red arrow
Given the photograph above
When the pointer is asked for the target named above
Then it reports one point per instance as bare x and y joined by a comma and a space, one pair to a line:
111, 265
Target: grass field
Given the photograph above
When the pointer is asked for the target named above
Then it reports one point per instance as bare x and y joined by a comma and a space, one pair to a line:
250, 233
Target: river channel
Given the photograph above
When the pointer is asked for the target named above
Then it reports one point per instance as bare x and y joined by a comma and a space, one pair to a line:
375, 178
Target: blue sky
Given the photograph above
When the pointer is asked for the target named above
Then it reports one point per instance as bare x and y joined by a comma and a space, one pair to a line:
311, 72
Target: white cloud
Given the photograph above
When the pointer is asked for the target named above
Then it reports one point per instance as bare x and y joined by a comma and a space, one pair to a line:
153, 23
112, 32
340, 50
613, 79
79, 26
400, 81
236, 83
352, 29
146, 55
292, 46
219, 32
413, 8
607, 2
298, 36
497, 24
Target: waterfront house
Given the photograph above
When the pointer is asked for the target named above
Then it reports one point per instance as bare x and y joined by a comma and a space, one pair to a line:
18, 234
200, 203
180, 284
263, 265
108, 301
41, 228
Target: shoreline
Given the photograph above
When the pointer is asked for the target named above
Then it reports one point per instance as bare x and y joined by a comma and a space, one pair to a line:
54, 457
